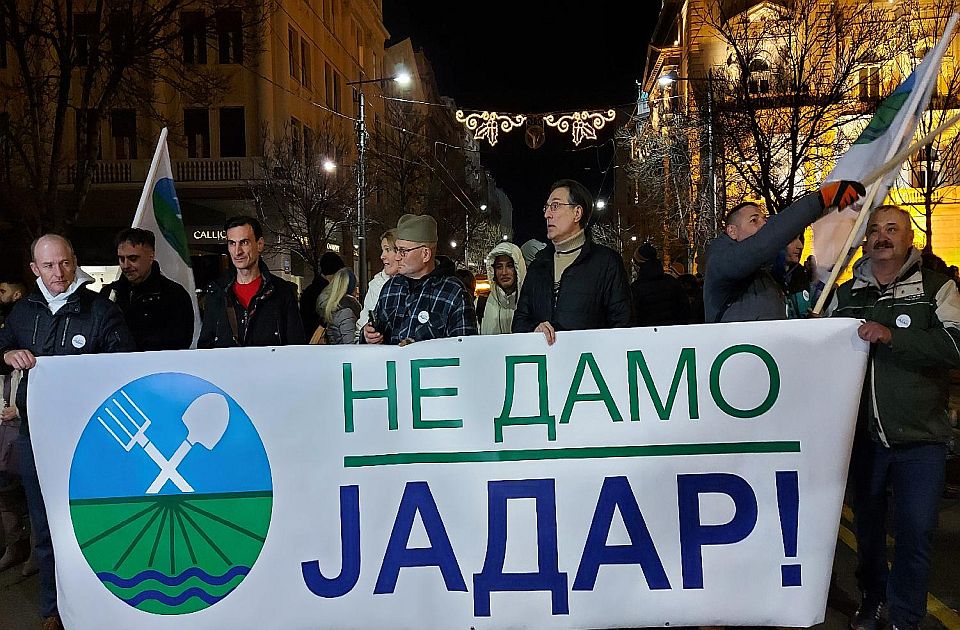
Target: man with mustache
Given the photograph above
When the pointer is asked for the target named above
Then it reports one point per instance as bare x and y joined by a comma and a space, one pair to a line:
912, 322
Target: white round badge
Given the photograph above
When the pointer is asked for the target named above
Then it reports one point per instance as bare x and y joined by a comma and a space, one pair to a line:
423, 317
78, 341
903, 321
806, 294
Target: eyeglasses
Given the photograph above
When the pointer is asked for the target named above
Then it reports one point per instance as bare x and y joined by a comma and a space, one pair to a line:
403, 251
555, 205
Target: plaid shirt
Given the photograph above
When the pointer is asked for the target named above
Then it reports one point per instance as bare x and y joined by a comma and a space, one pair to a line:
438, 308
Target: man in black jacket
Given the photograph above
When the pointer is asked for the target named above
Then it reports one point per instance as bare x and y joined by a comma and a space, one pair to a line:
250, 306
60, 318
573, 284
158, 311
658, 299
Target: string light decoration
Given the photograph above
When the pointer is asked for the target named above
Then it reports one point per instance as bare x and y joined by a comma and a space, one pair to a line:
582, 125
487, 125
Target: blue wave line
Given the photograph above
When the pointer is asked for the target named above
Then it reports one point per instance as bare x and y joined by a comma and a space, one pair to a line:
163, 598
151, 574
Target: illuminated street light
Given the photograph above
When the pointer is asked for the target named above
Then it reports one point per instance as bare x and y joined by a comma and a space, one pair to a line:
506, 238
483, 206
401, 79
601, 204
453, 243
633, 238
329, 165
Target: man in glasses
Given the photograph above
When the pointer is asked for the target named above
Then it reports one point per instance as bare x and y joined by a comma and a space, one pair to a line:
574, 283
419, 302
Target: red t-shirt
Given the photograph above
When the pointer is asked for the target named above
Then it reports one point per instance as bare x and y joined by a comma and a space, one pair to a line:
245, 292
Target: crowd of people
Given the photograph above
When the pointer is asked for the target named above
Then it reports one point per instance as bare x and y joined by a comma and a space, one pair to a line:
911, 319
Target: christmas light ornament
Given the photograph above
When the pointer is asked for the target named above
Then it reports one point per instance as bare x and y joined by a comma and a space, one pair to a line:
487, 125
534, 135
582, 125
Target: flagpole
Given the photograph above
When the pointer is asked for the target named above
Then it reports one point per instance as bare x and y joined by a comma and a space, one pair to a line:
151, 176
872, 177
888, 165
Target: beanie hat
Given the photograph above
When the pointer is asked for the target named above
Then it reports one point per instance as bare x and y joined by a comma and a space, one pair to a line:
417, 228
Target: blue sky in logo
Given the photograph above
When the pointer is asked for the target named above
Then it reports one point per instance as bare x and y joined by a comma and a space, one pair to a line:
103, 469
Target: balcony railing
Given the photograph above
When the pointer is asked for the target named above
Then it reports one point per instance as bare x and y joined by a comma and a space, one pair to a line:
209, 170
120, 172
185, 171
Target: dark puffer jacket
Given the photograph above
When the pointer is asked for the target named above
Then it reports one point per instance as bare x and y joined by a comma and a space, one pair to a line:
271, 319
158, 311
658, 299
593, 292
87, 324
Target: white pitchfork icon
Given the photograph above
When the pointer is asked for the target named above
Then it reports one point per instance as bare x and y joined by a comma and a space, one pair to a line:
206, 420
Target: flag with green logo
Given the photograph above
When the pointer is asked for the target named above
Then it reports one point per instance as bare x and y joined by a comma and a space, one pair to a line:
891, 130
159, 212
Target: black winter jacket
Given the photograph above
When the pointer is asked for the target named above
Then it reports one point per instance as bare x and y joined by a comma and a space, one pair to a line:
593, 292
158, 311
87, 324
272, 318
658, 299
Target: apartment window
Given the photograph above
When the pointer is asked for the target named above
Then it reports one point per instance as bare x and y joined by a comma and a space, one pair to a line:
3, 47
118, 28
328, 84
233, 132
308, 141
85, 31
759, 80
868, 83
296, 148
305, 62
196, 126
85, 122
230, 36
337, 103
926, 175
123, 128
359, 38
292, 50
194, 26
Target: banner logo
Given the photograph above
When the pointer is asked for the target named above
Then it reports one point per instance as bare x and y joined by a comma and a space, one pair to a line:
170, 494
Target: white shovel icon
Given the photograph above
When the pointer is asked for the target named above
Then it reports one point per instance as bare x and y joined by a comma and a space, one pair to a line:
206, 420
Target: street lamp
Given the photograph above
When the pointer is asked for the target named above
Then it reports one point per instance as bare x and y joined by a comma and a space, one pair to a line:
329, 165
401, 79
601, 204
665, 81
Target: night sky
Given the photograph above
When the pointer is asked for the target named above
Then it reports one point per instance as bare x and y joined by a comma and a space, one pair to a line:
534, 57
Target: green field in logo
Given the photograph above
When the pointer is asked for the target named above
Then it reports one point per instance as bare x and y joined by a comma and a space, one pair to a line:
170, 494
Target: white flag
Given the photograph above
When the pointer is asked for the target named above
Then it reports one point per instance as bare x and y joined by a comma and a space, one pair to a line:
159, 212
890, 130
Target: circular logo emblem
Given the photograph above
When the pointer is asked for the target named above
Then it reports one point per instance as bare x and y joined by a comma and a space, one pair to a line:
78, 341
903, 321
170, 494
423, 317
806, 294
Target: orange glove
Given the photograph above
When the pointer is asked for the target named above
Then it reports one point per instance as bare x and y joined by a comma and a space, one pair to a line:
840, 194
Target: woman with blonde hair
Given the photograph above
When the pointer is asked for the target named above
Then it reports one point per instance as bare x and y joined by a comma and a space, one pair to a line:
388, 255
338, 308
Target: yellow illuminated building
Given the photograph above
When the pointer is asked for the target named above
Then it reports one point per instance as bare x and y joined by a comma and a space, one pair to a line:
686, 48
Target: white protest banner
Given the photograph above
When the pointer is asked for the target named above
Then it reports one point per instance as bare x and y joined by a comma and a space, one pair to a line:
690, 474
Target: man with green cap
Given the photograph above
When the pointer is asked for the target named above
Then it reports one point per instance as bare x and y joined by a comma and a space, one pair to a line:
419, 302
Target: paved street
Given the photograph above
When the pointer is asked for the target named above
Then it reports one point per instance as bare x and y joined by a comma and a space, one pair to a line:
18, 595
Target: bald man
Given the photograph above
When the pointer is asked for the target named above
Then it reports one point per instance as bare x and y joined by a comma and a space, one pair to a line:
59, 318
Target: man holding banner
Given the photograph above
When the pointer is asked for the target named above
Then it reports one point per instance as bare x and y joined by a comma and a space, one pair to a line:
913, 325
